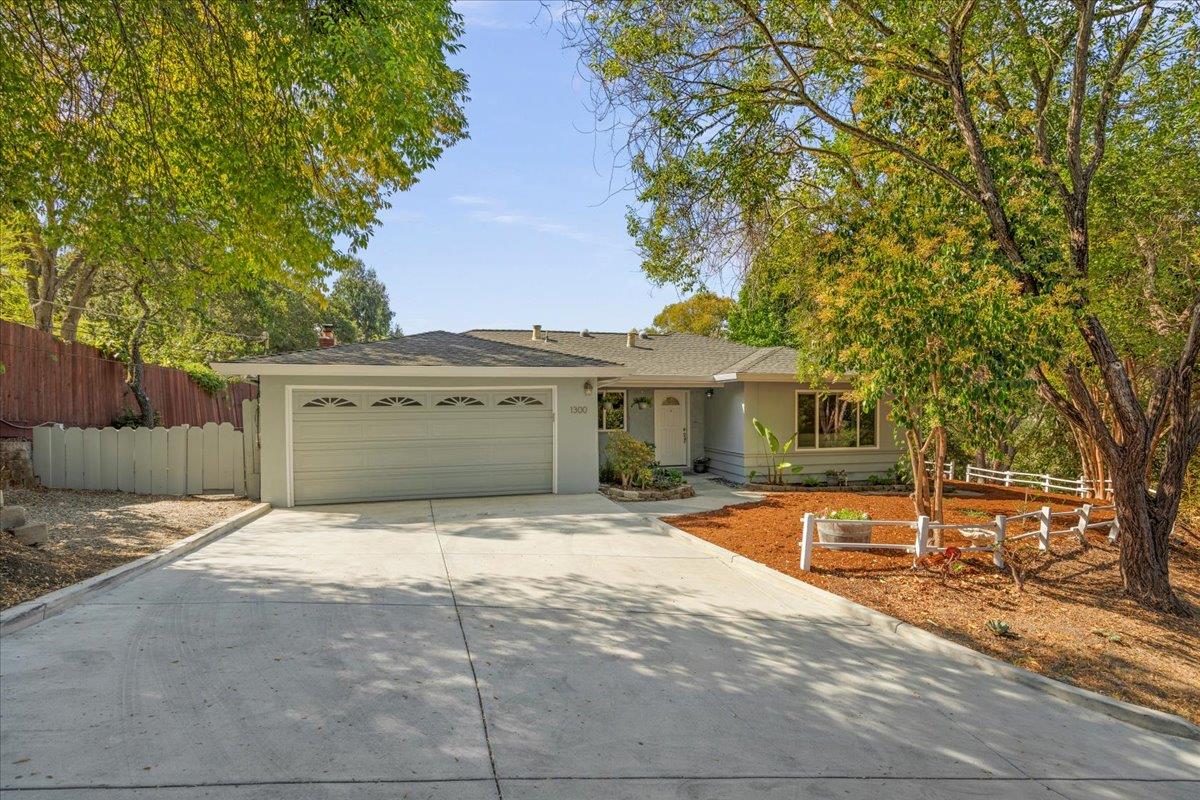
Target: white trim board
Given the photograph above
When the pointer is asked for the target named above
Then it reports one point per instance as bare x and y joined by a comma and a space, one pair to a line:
290, 388
378, 371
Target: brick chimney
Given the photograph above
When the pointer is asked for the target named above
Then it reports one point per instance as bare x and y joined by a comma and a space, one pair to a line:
325, 337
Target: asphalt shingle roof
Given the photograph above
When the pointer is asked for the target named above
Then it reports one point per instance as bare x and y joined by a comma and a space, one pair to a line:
670, 354
434, 349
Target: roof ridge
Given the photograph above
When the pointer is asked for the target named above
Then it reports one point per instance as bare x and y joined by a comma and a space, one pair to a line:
598, 361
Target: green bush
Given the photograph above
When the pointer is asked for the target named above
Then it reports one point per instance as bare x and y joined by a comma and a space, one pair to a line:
128, 418
204, 377
845, 513
607, 473
667, 478
632, 460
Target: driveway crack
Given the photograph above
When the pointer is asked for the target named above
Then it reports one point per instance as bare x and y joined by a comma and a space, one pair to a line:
462, 629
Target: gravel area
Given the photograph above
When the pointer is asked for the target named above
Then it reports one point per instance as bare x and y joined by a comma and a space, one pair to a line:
92, 532
1071, 620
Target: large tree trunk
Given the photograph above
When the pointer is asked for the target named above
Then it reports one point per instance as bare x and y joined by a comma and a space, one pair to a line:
1144, 541
137, 368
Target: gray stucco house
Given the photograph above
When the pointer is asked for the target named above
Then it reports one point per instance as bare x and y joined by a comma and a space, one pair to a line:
524, 411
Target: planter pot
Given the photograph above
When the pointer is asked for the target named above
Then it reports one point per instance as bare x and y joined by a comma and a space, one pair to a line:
699, 466
841, 532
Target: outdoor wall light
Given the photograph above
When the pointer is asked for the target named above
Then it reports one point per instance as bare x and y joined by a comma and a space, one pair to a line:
587, 388
708, 392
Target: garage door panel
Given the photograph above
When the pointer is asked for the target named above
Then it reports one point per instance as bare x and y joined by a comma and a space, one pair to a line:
397, 443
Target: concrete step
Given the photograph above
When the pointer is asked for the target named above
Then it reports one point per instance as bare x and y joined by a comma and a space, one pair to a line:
33, 534
12, 517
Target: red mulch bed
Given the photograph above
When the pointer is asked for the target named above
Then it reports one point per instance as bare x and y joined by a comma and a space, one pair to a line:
1072, 620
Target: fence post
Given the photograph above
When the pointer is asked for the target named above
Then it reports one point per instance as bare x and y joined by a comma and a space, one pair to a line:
1083, 487
1044, 529
922, 538
1085, 518
1046, 483
967, 475
1114, 530
806, 541
1008, 478
998, 549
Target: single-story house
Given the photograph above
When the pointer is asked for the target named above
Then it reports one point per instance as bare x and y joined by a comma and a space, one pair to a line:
490, 412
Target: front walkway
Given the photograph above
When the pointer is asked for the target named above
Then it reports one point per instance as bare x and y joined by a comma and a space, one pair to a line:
542, 647
711, 494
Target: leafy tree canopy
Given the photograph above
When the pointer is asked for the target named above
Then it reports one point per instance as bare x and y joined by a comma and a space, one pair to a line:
703, 313
212, 146
360, 291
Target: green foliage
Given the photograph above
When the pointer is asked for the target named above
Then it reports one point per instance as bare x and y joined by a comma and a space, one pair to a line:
203, 376
631, 459
128, 418
199, 150
1001, 629
762, 316
704, 313
775, 451
844, 513
359, 290
667, 478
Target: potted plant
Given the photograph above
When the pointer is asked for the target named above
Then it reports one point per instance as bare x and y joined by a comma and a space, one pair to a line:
641, 403
831, 529
700, 464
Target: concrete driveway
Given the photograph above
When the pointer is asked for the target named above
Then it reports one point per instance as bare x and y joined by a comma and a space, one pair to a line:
538, 647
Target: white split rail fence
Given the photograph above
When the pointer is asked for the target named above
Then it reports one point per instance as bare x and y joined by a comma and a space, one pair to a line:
947, 469
180, 460
994, 533
1047, 483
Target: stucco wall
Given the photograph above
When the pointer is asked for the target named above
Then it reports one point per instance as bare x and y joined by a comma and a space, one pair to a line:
774, 405
575, 418
725, 431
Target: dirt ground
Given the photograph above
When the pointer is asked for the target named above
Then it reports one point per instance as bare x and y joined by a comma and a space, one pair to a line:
91, 532
1071, 620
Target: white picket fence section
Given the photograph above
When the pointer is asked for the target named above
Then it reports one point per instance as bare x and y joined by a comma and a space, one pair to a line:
947, 469
1046, 483
991, 536
175, 461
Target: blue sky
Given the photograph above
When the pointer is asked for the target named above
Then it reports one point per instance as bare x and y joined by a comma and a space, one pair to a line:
523, 222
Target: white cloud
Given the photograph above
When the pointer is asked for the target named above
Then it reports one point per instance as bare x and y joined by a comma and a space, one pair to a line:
472, 200
487, 209
501, 16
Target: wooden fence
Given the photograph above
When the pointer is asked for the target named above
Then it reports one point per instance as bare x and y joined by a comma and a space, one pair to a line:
178, 460
45, 380
1047, 483
989, 537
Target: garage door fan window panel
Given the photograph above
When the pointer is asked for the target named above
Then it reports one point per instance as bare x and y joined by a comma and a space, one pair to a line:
830, 420
612, 411
520, 400
459, 401
396, 401
330, 402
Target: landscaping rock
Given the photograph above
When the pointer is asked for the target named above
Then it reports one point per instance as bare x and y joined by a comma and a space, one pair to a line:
617, 493
33, 534
12, 517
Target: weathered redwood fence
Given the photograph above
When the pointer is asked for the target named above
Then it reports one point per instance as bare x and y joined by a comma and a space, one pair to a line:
177, 461
1047, 483
993, 536
45, 380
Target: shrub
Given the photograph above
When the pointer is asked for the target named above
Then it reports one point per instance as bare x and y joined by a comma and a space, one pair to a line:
607, 473
845, 513
128, 418
667, 478
204, 377
632, 460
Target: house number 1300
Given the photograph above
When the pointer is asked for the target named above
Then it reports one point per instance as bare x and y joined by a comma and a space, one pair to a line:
579, 409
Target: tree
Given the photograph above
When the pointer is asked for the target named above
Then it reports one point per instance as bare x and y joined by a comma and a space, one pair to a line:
762, 316
361, 292
733, 104
236, 141
704, 314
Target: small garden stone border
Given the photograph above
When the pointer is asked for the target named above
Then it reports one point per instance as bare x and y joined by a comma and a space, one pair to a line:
854, 487
627, 495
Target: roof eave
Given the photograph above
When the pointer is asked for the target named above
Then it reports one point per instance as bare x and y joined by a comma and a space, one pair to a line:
401, 371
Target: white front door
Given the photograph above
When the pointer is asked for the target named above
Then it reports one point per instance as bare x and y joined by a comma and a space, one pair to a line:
670, 427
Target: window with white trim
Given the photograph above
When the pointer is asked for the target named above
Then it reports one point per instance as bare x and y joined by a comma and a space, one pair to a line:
830, 420
610, 406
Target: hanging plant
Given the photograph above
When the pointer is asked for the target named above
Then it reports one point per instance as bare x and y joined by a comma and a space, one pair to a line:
641, 403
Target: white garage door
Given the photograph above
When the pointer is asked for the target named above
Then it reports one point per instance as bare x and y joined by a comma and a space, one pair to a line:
384, 444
